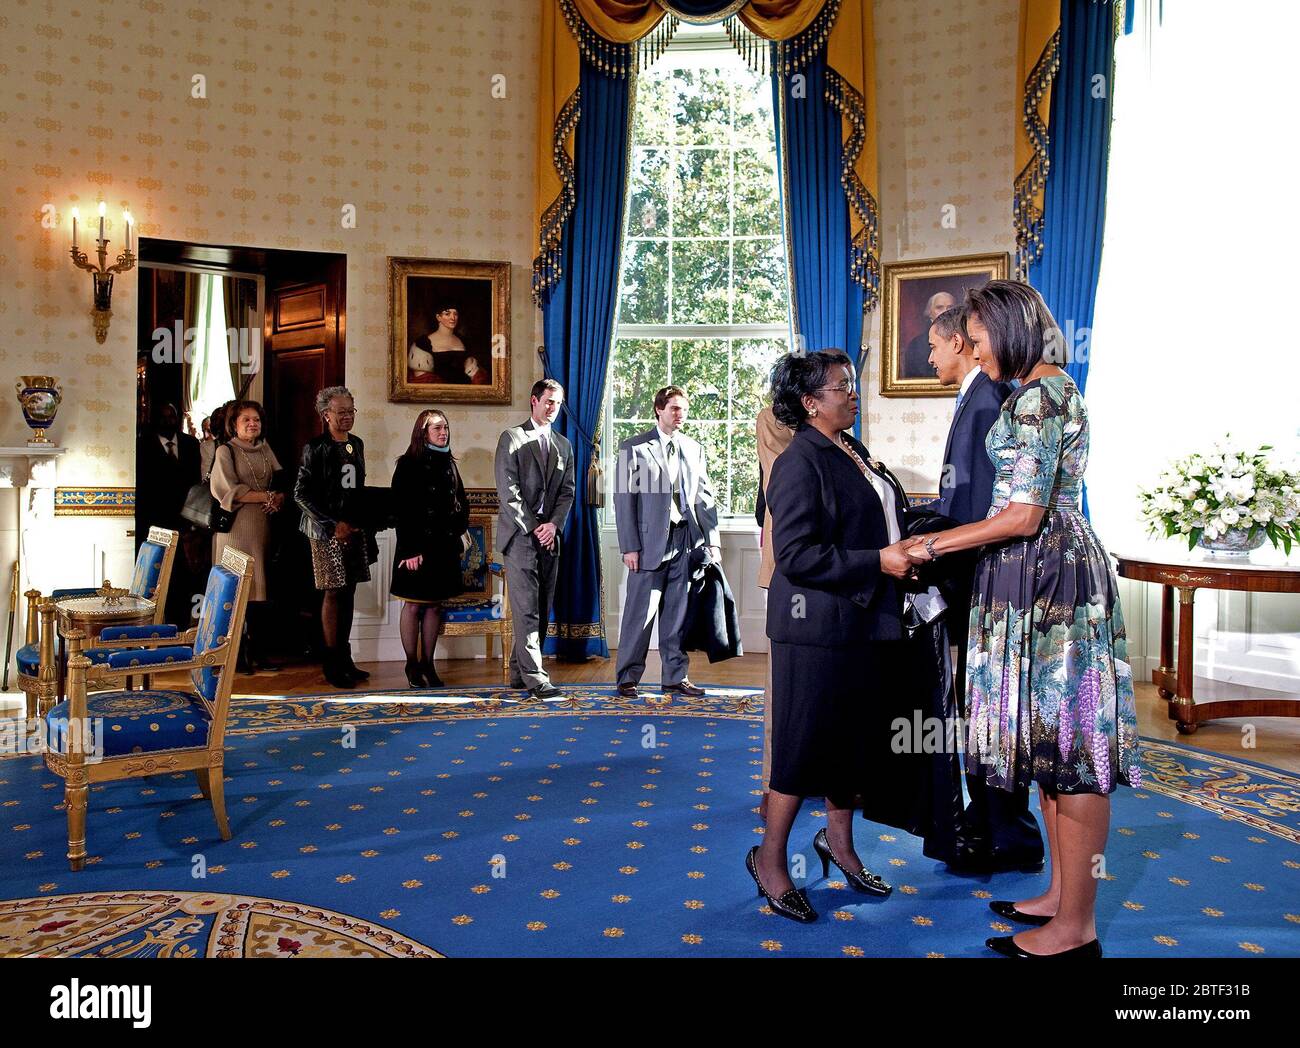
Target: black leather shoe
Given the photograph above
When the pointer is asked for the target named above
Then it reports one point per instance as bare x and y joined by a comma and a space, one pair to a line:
793, 904
518, 684
863, 881
981, 863
431, 675
1006, 946
1006, 909
415, 675
335, 673
351, 667
545, 691
683, 687
628, 691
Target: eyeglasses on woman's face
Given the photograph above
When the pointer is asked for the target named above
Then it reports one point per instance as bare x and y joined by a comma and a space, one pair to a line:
847, 386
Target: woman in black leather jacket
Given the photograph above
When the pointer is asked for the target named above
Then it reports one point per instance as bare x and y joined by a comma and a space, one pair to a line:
331, 479
432, 515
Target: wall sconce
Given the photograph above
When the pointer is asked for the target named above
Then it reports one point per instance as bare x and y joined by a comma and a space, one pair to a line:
103, 272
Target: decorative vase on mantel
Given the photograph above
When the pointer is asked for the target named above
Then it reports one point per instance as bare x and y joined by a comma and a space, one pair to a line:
40, 397
1235, 542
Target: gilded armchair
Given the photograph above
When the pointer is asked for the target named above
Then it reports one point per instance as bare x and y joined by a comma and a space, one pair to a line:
104, 735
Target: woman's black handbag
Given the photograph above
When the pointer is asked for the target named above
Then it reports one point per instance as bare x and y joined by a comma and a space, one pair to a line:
203, 510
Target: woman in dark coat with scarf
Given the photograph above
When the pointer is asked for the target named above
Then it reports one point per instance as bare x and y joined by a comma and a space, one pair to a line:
432, 515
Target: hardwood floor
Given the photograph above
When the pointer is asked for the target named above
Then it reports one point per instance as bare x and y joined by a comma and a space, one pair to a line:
1276, 739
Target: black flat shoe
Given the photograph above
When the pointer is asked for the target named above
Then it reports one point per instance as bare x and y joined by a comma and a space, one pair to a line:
1006, 946
863, 881
415, 675
1006, 909
793, 904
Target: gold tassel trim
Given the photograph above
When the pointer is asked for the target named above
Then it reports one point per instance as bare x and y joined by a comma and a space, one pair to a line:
546, 266
864, 256
1027, 215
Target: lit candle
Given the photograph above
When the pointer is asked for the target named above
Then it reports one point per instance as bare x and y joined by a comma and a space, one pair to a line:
129, 221
74, 227
101, 221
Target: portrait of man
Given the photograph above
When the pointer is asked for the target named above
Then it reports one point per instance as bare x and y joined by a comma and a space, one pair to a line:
914, 295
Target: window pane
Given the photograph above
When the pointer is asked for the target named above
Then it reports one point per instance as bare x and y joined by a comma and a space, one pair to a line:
760, 292
653, 123
700, 193
751, 366
700, 368
752, 122
648, 212
758, 208
713, 438
701, 107
744, 468
645, 282
640, 367
700, 275
622, 431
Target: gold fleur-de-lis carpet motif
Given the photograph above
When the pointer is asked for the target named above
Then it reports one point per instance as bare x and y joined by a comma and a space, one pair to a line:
464, 822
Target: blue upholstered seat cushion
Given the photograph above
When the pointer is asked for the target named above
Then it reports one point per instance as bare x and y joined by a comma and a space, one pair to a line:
137, 721
148, 569
216, 615
479, 611
29, 660
138, 632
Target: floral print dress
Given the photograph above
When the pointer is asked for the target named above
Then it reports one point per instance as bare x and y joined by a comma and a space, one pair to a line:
1048, 684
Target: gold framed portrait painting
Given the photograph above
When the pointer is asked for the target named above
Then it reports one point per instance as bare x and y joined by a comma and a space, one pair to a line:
915, 293
448, 331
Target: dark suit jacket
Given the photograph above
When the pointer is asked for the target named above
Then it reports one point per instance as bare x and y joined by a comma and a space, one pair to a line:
712, 624
828, 528
523, 482
162, 482
966, 489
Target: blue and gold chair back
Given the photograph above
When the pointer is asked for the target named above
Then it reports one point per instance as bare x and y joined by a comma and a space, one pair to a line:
482, 610
153, 568
216, 617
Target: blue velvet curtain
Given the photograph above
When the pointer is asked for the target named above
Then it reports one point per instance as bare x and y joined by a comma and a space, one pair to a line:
827, 302
578, 323
1074, 204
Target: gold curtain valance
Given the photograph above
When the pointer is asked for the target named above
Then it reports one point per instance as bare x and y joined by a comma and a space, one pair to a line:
1038, 57
616, 36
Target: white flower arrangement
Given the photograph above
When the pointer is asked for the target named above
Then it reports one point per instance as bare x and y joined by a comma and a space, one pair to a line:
1207, 496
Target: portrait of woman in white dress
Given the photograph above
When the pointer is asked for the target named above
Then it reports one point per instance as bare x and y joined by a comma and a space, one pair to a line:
440, 356
449, 331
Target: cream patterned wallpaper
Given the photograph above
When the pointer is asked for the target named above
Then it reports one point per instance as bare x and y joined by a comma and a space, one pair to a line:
311, 106
384, 104
945, 71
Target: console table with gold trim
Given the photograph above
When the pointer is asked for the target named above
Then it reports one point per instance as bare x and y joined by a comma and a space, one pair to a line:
1175, 568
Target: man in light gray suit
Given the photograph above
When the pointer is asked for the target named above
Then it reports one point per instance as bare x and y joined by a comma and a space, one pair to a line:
535, 487
666, 514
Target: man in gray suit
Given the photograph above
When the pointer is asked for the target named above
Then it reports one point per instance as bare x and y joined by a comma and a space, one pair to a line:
535, 486
666, 513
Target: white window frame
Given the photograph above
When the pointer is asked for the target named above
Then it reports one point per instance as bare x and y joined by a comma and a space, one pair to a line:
693, 48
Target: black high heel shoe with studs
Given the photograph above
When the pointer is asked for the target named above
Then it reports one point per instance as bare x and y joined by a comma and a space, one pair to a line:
793, 904
863, 881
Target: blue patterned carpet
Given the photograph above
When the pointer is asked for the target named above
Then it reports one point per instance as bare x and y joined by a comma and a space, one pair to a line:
465, 823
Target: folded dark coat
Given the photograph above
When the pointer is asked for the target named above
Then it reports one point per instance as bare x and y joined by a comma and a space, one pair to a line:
712, 624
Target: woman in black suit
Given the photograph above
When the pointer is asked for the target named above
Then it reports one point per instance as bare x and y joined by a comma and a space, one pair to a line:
835, 619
